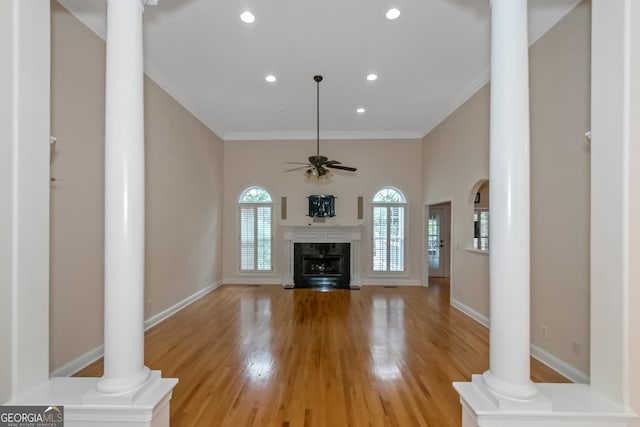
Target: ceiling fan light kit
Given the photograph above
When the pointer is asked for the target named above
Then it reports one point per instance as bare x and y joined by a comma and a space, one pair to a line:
318, 167
320, 173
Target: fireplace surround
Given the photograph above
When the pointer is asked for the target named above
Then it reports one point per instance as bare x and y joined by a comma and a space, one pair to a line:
321, 265
333, 263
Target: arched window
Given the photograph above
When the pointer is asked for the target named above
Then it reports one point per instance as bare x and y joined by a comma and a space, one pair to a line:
255, 210
388, 230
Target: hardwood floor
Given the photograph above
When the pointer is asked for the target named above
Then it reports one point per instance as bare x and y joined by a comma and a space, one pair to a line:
266, 356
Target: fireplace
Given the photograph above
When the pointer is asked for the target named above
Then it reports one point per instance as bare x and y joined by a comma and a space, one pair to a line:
321, 265
333, 263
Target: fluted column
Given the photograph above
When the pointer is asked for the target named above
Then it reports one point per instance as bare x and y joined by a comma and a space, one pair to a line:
124, 368
508, 373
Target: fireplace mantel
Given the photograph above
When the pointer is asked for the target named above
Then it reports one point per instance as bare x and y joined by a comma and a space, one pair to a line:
322, 234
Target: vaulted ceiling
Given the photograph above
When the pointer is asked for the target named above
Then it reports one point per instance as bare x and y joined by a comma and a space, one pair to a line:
428, 61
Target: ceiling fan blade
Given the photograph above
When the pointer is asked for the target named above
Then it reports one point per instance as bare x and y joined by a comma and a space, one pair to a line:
346, 168
332, 162
295, 169
299, 163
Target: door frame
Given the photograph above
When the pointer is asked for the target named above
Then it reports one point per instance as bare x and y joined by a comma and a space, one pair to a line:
425, 244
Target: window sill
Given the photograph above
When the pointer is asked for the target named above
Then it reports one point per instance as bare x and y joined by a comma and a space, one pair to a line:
477, 251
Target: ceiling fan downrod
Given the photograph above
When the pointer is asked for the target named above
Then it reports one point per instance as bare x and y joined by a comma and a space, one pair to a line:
319, 166
317, 79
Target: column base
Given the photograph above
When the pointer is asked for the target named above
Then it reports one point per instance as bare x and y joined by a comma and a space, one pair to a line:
123, 386
85, 407
558, 405
508, 394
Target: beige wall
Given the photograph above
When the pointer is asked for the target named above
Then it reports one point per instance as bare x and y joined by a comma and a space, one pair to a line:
456, 161
379, 163
560, 191
184, 202
183, 199
456, 158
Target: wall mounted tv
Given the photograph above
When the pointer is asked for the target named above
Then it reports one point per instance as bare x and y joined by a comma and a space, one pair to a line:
322, 205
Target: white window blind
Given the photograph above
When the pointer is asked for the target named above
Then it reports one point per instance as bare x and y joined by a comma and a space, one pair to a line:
380, 238
388, 231
255, 237
481, 229
247, 238
396, 238
255, 230
263, 237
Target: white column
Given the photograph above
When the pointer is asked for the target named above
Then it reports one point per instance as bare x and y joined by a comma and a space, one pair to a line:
509, 375
124, 368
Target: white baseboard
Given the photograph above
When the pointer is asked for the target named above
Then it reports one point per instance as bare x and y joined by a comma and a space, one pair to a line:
168, 312
478, 317
92, 355
558, 365
253, 280
271, 280
79, 362
277, 280
543, 356
390, 282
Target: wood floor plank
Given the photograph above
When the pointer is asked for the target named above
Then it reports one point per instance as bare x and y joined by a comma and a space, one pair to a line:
266, 356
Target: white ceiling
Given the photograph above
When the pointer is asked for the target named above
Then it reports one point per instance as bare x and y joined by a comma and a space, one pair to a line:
429, 61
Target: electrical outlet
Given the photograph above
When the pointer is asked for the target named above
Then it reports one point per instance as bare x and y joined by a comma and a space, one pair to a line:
544, 331
576, 346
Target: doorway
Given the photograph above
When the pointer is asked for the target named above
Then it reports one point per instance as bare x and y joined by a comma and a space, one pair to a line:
438, 239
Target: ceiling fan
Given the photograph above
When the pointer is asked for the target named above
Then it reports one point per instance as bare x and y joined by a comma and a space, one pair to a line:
318, 166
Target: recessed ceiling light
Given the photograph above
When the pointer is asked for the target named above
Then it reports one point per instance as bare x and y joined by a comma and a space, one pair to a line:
371, 77
270, 78
247, 17
360, 110
393, 13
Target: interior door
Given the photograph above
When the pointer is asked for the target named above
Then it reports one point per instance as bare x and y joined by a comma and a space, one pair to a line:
438, 231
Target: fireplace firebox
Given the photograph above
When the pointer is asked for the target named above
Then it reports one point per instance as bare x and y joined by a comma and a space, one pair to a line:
321, 265
338, 234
